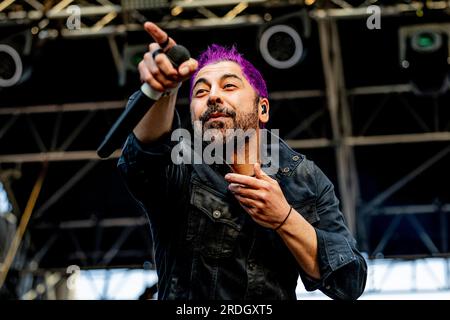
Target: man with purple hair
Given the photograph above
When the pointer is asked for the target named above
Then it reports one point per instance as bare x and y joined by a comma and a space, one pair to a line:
232, 230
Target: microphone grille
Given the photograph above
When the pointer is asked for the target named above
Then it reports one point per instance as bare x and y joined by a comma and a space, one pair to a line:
177, 55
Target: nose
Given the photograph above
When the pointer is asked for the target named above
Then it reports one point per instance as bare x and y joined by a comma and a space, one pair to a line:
214, 98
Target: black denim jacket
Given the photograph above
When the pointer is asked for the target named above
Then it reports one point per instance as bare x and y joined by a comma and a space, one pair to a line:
208, 247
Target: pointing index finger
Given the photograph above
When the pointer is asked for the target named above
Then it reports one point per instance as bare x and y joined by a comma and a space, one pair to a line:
159, 35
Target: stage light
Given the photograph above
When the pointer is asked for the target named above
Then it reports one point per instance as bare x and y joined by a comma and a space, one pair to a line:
283, 40
426, 41
424, 55
15, 54
281, 46
11, 67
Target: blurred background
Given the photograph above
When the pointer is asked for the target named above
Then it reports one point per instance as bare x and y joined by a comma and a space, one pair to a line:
361, 87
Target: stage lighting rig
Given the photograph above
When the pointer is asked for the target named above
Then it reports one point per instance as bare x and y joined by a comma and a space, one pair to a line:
424, 55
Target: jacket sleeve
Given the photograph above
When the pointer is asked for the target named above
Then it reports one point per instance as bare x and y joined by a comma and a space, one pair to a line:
149, 172
342, 267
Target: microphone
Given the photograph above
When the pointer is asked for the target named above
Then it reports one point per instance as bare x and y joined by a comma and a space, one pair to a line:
137, 108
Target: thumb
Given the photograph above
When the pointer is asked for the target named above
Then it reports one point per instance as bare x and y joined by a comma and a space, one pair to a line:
259, 173
187, 68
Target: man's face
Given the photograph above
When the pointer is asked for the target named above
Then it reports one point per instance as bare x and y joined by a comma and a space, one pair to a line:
222, 99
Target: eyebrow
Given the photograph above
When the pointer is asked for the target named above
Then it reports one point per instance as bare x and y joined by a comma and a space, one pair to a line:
201, 80
225, 76
230, 75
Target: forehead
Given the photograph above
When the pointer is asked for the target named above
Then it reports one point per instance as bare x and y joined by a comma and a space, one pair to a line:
216, 70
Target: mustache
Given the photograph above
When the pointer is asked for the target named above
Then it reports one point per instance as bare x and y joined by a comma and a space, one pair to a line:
213, 108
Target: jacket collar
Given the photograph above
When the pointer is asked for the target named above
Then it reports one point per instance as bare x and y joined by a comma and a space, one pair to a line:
279, 166
285, 163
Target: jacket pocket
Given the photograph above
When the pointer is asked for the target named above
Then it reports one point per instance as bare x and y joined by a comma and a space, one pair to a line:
307, 209
213, 227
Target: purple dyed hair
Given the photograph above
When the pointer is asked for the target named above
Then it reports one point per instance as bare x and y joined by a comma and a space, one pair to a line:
216, 53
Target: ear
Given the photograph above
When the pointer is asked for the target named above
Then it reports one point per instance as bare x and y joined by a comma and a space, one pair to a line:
263, 116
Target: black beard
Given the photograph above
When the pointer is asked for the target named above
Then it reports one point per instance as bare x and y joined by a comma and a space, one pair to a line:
213, 108
240, 121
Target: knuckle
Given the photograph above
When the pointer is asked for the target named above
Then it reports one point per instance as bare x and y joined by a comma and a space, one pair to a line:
266, 186
264, 196
171, 73
160, 59
153, 46
167, 83
148, 78
156, 85
155, 71
147, 56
